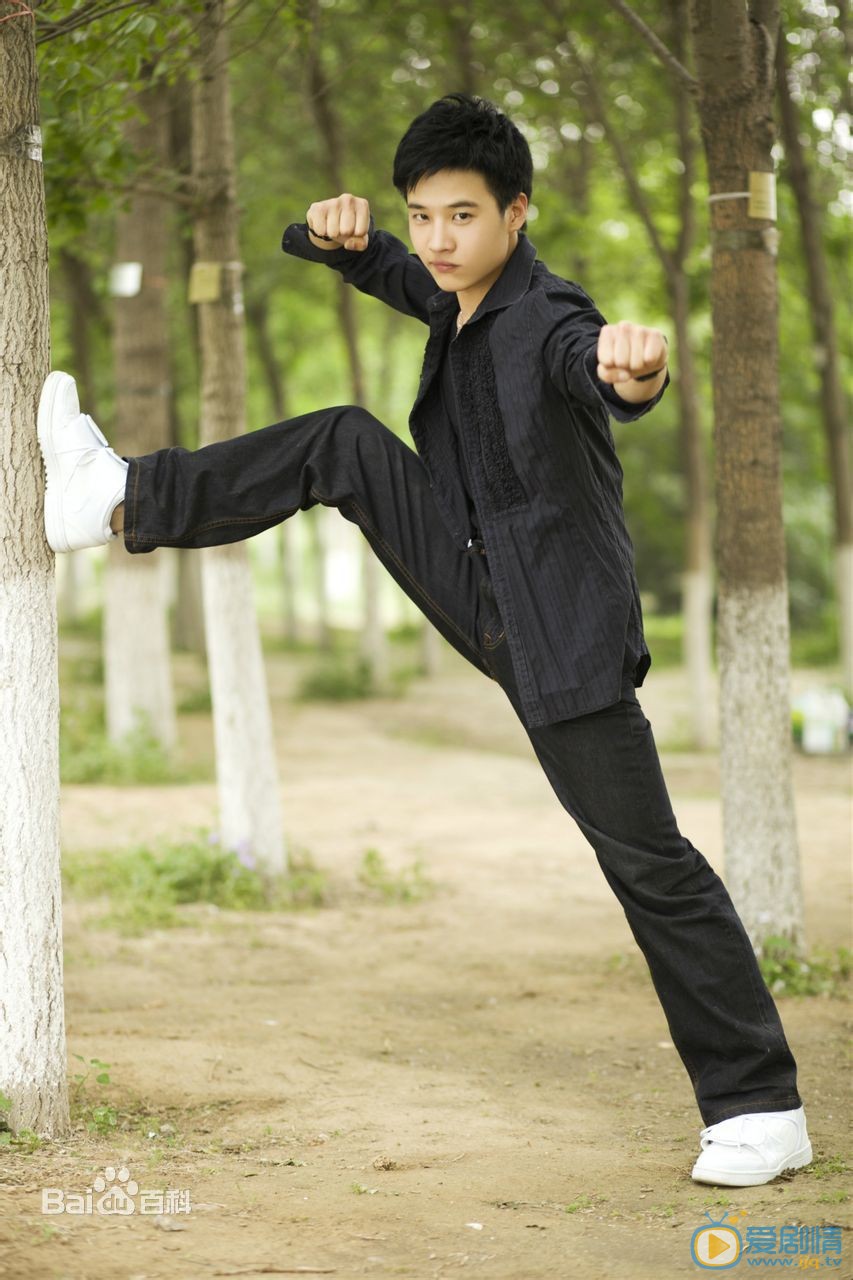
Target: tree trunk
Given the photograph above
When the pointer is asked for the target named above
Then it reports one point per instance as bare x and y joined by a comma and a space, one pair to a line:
188, 613
734, 55
826, 359
32, 1019
258, 315
136, 616
247, 772
374, 645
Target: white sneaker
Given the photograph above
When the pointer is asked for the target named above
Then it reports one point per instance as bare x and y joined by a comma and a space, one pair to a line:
86, 479
746, 1150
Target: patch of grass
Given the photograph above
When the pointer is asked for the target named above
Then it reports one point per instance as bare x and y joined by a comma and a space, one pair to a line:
408, 885
827, 1167
582, 1202
342, 678
787, 972
335, 679
195, 700
87, 755
145, 885
833, 1197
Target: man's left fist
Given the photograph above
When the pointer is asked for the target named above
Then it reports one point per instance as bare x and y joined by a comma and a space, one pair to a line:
628, 350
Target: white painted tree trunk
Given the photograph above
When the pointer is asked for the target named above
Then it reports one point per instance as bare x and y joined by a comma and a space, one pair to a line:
137, 664
696, 594
844, 575
759, 821
32, 1022
137, 658
290, 575
250, 809
431, 644
317, 517
374, 642
246, 765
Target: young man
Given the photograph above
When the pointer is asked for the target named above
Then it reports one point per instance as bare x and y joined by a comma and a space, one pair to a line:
506, 527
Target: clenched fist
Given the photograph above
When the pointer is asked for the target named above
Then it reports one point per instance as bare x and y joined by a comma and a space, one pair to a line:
345, 218
628, 350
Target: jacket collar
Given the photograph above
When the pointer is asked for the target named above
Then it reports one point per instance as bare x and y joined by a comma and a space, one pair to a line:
512, 283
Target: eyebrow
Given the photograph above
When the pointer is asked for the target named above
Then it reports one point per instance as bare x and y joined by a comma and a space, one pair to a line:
456, 204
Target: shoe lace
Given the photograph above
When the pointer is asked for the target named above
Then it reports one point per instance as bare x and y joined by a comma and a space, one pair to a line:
735, 1132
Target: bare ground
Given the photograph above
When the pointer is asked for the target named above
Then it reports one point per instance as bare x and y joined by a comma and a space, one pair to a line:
478, 1082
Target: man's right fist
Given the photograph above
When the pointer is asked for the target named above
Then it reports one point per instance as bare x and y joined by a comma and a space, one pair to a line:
345, 218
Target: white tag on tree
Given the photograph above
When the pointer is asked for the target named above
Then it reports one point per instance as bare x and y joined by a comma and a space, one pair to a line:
126, 279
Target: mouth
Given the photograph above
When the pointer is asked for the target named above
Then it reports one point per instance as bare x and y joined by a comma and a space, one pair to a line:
445, 266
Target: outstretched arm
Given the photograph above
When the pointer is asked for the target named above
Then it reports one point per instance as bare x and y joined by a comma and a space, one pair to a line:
374, 261
599, 363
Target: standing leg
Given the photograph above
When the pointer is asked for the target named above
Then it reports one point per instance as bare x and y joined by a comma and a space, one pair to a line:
605, 771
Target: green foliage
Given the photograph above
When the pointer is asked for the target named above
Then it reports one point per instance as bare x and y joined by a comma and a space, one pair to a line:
144, 885
339, 678
98, 1115
789, 973
408, 885
199, 699
87, 755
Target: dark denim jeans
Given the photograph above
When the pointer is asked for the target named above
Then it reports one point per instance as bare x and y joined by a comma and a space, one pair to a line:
603, 767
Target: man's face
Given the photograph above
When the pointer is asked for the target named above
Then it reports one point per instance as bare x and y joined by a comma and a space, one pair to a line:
453, 217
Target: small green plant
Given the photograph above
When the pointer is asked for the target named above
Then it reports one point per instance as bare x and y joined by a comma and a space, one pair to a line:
145, 885
789, 973
582, 1202
99, 1116
359, 1189
407, 885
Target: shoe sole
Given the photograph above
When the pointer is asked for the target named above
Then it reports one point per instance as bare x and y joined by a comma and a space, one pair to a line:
54, 522
731, 1178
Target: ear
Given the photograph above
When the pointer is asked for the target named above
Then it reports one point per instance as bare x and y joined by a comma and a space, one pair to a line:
518, 211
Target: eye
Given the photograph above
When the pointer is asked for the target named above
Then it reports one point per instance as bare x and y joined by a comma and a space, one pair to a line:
459, 214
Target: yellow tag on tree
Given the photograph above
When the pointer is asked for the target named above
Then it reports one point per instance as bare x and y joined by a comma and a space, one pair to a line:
205, 282
762, 195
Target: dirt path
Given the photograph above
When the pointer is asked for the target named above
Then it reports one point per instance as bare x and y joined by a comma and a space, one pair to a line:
481, 1081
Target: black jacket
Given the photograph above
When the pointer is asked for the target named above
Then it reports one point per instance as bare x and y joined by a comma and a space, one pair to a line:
547, 484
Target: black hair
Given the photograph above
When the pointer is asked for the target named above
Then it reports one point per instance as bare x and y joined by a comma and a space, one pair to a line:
459, 131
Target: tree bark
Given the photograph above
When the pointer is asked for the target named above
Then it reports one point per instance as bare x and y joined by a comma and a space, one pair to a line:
188, 613
374, 645
136, 615
734, 56
833, 408
258, 315
247, 773
32, 1019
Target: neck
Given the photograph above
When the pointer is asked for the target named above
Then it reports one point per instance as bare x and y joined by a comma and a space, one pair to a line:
470, 299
